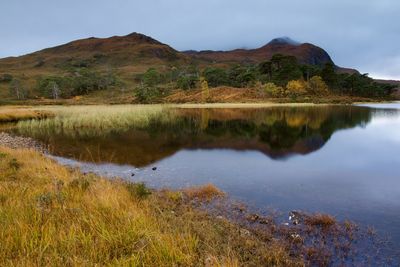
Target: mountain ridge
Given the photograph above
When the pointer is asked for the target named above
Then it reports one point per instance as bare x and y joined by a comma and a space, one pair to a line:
140, 46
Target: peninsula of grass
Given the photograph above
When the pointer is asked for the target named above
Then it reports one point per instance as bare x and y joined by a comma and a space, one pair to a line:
14, 114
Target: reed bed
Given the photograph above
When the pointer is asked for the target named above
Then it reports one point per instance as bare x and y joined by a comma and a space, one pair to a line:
14, 114
96, 120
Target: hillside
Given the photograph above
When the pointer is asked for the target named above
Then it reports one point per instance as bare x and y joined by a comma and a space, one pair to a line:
119, 62
305, 53
118, 52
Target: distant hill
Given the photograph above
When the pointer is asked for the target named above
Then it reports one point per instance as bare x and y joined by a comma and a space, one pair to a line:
124, 57
138, 50
117, 51
305, 53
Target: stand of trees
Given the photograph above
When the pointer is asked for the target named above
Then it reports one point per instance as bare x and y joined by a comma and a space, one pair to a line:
79, 82
287, 75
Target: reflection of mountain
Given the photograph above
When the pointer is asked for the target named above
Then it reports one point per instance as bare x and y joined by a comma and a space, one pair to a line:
276, 132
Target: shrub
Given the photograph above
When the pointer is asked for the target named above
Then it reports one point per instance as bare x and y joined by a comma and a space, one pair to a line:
5, 78
273, 90
14, 164
296, 87
187, 81
80, 183
206, 192
138, 190
317, 86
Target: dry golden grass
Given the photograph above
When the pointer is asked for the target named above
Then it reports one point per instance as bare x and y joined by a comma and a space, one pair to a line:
321, 220
52, 216
13, 114
206, 192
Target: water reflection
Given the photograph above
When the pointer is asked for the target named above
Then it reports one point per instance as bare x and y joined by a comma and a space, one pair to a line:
347, 163
278, 133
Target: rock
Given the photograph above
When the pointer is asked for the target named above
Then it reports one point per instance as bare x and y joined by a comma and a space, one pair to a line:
253, 217
17, 142
244, 232
295, 217
219, 217
296, 238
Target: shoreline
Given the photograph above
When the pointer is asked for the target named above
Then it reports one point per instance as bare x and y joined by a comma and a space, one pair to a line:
19, 142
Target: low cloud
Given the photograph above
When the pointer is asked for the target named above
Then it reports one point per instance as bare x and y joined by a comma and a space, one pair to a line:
359, 34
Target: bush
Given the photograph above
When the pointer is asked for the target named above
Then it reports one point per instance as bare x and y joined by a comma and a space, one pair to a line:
5, 78
296, 87
317, 86
187, 81
273, 90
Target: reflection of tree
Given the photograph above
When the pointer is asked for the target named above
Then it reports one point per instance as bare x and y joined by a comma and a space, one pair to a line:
277, 132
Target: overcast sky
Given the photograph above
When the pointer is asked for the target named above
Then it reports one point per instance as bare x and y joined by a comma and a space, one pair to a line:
362, 34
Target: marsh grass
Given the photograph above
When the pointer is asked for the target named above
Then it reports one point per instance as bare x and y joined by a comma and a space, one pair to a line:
14, 114
206, 192
95, 120
54, 216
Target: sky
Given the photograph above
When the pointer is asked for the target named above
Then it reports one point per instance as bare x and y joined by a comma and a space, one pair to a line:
361, 34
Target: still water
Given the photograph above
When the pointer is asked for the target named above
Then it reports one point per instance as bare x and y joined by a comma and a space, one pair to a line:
342, 160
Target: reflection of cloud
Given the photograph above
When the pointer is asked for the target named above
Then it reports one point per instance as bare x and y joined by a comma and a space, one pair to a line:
380, 125
386, 68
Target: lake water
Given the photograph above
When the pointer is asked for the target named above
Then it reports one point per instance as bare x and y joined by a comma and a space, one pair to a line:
342, 160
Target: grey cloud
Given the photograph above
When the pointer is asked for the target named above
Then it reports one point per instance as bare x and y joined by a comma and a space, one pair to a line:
362, 34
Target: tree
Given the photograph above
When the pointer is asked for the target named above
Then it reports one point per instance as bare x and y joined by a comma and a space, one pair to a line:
205, 91
148, 90
17, 90
151, 77
187, 81
215, 76
54, 89
285, 69
273, 90
296, 87
329, 75
317, 86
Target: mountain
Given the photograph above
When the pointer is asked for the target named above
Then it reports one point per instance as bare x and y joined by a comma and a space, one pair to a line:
137, 50
305, 53
116, 51
125, 56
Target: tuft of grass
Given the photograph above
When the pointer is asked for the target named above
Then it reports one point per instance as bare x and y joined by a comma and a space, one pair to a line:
320, 220
14, 164
14, 114
206, 192
81, 183
97, 222
138, 190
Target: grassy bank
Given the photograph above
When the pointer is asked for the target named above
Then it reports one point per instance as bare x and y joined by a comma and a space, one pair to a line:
54, 216
17, 113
